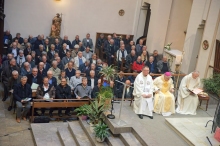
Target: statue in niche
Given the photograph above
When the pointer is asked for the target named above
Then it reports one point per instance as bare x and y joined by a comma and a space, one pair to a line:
56, 26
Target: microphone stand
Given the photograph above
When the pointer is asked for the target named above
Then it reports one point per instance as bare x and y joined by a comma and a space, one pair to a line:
111, 116
120, 122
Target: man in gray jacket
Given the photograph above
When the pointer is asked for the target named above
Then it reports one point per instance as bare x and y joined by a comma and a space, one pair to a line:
163, 65
87, 54
83, 90
87, 42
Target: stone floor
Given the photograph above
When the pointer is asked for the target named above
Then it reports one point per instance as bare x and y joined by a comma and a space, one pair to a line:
17, 134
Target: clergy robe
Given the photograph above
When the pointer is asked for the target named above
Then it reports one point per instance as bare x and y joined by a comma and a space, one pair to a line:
164, 102
143, 85
187, 103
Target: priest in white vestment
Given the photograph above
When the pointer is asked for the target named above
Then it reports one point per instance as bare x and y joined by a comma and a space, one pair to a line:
164, 102
187, 100
143, 94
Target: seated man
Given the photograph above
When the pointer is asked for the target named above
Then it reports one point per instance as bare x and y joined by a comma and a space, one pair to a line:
83, 90
138, 65
22, 91
45, 91
14, 80
60, 65
93, 59
95, 90
121, 53
55, 70
132, 78
75, 80
187, 100
143, 94
92, 80
85, 67
41, 71
46, 64
120, 78
52, 79
164, 102
152, 66
79, 59
87, 54
63, 91
130, 59
67, 58
92, 67
128, 90
20, 58
70, 71
26, 69
34, 77
163, 65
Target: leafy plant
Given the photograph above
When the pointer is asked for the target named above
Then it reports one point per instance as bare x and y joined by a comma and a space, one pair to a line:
105, 93
101, 130
82, 110
212, 84
94, 112
168, 46
109, 72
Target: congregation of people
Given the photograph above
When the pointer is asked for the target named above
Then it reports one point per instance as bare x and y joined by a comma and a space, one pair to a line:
64, 70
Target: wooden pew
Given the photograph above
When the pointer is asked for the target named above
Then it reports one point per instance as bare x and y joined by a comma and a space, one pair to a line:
40, 103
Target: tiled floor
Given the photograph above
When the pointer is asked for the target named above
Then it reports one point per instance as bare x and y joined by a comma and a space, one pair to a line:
194, 130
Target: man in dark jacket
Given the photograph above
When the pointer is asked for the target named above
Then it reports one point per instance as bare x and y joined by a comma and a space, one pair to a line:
13, 81
34, 78
14, 50
66, 41
92, 80
38, 42
76, 41
128, 90
19, 38
6, 74
85, 67
63, 91
20, 93
110, 52
152, 66
99, 44
130, 59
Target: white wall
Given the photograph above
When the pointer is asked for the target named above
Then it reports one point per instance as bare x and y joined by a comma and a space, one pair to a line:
79, 16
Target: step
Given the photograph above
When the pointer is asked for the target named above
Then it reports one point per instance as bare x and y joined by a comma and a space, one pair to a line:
129, 139
78, 134
114, 141
66, 136
91, 136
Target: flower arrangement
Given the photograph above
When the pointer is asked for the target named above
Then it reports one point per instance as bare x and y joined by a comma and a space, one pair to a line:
168, 46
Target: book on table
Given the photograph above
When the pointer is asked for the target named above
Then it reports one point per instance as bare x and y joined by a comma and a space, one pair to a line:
196, 91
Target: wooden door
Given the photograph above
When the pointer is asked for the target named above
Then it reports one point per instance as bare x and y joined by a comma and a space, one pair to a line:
217, 56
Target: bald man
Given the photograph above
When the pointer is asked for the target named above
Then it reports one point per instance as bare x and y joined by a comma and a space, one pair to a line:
187, 100
128, 90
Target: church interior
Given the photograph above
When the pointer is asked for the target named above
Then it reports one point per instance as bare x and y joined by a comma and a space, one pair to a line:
111, 73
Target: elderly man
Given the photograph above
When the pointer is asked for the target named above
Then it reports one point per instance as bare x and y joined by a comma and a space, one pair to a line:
76, 41
52, 79
85, 67
63, 91
46, 45
138, 64
129, 46
93, 59
70, 71
92, 67
41, 71
164, 102
6, 74
14, 49
34, 77
187, 100
130, 59
157, 57
143, 94
45, 91
67, 58
39, 52
62, 52
26, 69
96, 89
75, 51
83, 90
57, 45
87, 54
20, 93
30, 61
14, 80
128, 90
55, 70
67, 42
110, 52
87, 42
79, 59
75, 80
163, 65
27, 50
51, 53
92, 80
100, 43
38, 42
121, 53
81, 47
139, 47
46, 65
7, 61
19, 38
152, 66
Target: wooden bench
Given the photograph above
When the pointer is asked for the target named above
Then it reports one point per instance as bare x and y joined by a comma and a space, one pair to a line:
57, 103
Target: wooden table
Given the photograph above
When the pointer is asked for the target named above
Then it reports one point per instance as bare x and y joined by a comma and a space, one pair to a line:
204, 97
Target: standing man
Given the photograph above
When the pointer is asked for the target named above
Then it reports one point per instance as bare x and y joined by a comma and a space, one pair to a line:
143, 94
87, 42
164, 102
187, 100
22, 91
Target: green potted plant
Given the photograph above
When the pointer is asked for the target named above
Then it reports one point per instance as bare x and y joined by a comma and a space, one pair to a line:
95, 113
101, 131
108, 72
212, 84
81, 111
105, 95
